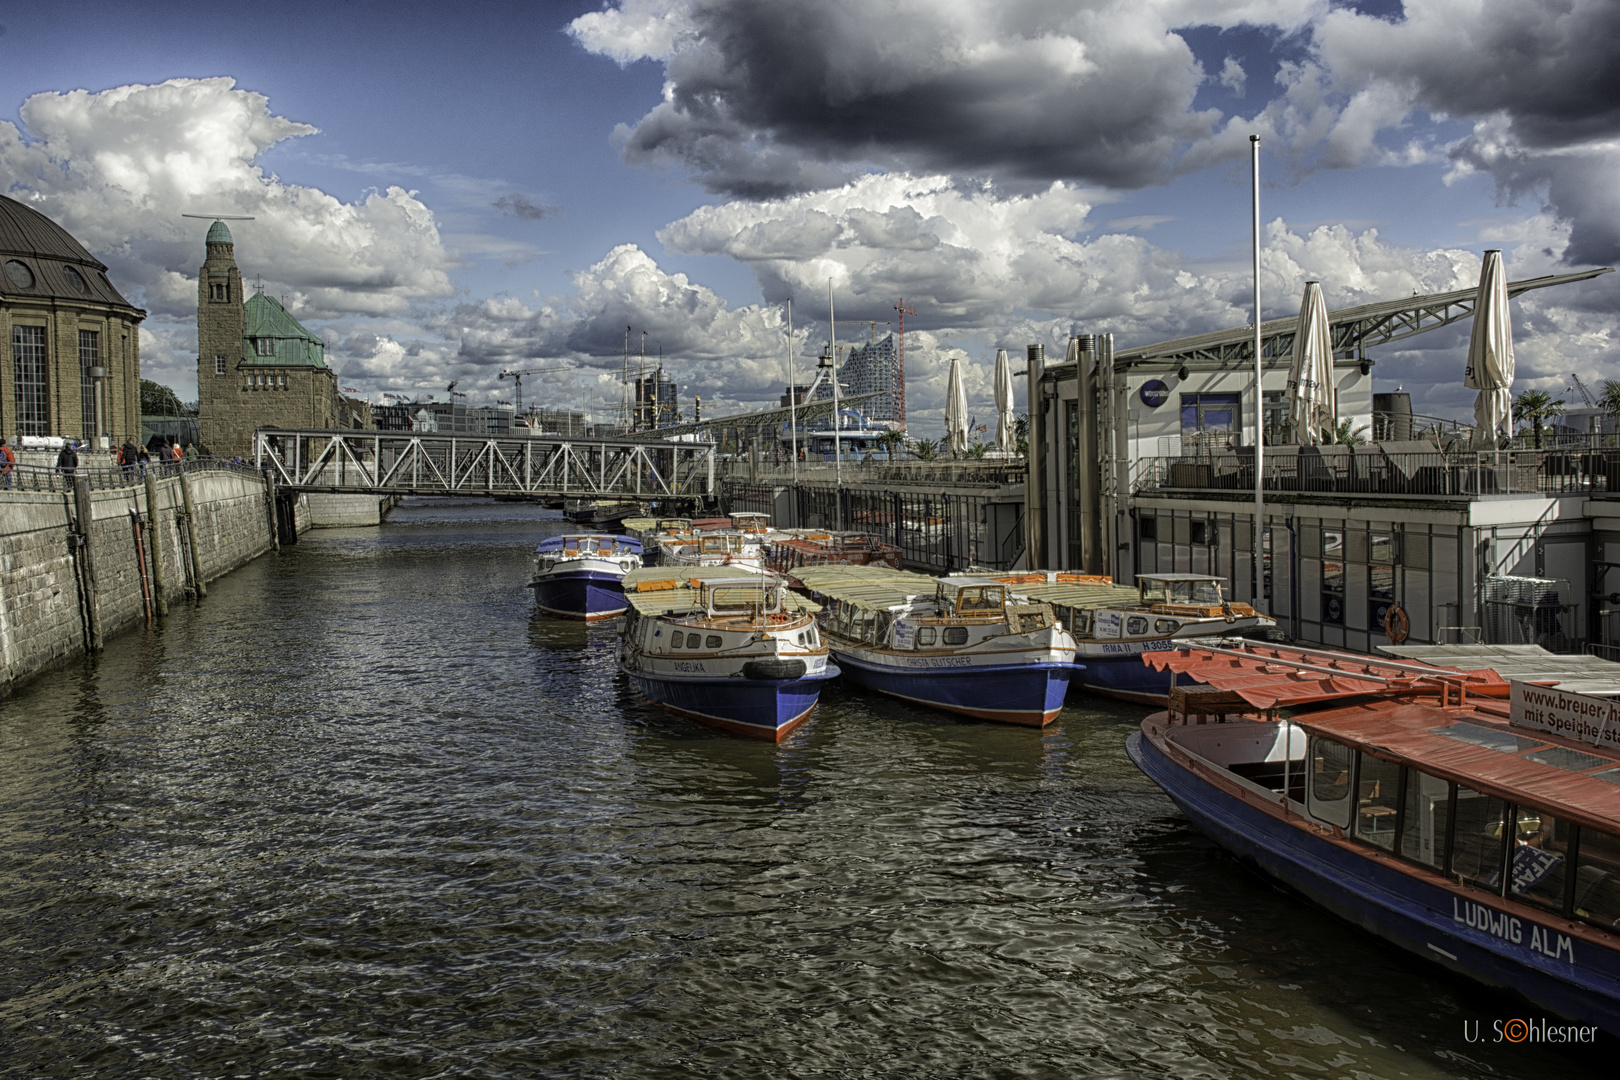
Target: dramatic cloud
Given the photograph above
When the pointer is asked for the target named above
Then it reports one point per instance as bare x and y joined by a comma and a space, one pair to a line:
119, 167
1539, 80
521, 207
764, 99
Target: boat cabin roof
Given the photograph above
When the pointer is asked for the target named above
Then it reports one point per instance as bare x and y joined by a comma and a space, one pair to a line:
1577, 672
1180, 577
588, 542
870, 588
1573, 780
671, 590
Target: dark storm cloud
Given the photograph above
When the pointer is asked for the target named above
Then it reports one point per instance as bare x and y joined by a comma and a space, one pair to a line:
1541, 78
768, 98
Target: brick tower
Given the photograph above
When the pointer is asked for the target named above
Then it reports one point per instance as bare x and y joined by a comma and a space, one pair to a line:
219, 338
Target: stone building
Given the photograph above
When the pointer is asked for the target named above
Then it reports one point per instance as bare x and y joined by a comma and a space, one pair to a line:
75, 341
257, 366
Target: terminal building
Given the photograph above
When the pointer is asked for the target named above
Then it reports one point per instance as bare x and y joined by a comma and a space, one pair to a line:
73, 368
1143, 460
257, 366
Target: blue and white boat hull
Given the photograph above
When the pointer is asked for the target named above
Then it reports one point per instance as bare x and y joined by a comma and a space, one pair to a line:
1028, 693
579, 592
757, 708
1574, 978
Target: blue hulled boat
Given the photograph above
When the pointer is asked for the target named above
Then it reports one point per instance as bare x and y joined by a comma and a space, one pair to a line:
963, 644
1417, 804
1113, 625
580, 575
729, 648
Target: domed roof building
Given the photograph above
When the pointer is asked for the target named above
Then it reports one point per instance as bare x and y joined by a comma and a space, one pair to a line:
73, 367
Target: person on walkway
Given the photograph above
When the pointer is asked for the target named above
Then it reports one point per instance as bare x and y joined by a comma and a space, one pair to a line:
67, 459
127, 456
175, 453
8, 462
191, 451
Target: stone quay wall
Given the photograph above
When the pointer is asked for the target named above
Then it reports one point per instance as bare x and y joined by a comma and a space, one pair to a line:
72, 573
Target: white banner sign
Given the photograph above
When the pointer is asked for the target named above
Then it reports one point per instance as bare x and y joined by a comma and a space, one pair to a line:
1590, 719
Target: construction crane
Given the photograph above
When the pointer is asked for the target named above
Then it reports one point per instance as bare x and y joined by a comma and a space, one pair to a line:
517, 377
1582, 388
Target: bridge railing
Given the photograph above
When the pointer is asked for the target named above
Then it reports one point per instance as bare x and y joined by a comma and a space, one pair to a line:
431, 464
28, 477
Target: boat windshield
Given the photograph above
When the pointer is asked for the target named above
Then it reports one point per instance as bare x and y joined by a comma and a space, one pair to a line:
979, 600
1203, 591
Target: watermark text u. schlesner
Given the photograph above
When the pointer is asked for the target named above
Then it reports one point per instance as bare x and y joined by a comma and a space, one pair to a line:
1526, 1031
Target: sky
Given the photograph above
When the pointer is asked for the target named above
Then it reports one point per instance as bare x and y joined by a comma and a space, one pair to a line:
446, 192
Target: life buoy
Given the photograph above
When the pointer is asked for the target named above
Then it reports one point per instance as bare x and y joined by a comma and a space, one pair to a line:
1396, 625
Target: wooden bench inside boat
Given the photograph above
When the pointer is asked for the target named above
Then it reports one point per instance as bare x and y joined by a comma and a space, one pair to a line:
1204, 702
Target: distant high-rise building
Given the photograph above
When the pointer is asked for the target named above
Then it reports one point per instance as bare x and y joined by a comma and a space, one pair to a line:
655, 401
868, 369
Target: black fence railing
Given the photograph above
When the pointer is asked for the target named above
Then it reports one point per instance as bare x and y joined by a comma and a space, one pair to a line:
27, 477
1368, 470
937, 531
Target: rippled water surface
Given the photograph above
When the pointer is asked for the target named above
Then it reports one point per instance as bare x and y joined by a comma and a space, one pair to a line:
361, 814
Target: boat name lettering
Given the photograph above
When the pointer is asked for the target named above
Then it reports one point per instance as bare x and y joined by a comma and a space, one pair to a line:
688, 666
1511, 928
1138, 646
938, 661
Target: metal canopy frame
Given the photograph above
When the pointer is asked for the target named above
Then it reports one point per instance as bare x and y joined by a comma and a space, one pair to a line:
1351, 330
415, 463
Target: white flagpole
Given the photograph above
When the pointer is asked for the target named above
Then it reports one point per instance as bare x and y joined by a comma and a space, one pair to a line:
793, 400
1260, 604
838, 420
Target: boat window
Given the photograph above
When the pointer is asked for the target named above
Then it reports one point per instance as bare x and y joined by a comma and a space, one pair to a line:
1329, 796
1423, 828
1135, 625
1082, 622
1597, 878
1493, 738
812, 641
925, 635
1195, 592
1476, 856
1377, 801
711, 642
1165, 626
1564, 758
1540, 848
956, 635
1153, 591
801, 637
677, 640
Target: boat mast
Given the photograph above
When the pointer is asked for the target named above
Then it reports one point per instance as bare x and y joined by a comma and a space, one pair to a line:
1260, 604
793, 399
838, 420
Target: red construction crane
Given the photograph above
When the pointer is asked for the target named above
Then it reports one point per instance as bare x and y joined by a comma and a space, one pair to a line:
900, 368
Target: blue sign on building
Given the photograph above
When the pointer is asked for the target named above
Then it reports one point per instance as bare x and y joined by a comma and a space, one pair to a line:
1154, 393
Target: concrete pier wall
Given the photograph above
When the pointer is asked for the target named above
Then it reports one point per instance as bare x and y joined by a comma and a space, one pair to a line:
346, 511
59, 593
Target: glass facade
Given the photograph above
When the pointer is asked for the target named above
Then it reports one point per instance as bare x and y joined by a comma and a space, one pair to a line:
33, 387
89, 357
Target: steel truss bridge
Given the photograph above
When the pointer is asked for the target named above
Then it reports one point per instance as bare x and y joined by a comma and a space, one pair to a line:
415, 463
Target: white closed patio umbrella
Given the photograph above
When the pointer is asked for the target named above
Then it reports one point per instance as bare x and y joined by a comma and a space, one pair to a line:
956, 410
1313, 400
1004, 404
1490, 358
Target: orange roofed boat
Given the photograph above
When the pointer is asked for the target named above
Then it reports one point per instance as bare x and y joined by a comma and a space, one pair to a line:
1473, 821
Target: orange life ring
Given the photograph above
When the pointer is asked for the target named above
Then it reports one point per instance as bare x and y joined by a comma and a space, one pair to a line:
1396, 625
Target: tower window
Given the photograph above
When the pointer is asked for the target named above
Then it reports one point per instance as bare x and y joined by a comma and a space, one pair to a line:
219, 364
264, 346
220, 291
89, 357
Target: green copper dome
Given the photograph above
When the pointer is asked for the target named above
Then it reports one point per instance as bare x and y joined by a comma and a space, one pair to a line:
219, 234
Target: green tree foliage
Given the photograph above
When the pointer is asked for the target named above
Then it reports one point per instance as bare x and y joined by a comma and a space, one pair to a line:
1536, 407
890, 441
159, 400
1345, 435
924, 449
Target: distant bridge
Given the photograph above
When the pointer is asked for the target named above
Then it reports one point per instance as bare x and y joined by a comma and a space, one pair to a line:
418, 463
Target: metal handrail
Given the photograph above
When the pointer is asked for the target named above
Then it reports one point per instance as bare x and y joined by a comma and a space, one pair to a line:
28, 477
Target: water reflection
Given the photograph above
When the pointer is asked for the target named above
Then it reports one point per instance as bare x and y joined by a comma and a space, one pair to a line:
361, 813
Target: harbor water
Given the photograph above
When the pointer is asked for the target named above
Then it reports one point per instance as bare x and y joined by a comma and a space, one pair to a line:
361, 813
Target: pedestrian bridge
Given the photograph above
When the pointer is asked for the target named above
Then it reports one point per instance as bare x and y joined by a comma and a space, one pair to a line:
417, 463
